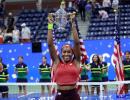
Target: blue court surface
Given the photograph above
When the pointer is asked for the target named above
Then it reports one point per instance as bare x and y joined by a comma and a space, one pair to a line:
83, 96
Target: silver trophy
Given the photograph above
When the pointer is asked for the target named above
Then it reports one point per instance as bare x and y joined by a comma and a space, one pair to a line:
61, 17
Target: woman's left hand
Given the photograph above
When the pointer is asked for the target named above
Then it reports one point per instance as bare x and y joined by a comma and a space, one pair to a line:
72, 17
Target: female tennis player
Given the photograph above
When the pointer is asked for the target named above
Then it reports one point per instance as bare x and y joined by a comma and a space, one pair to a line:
66, 68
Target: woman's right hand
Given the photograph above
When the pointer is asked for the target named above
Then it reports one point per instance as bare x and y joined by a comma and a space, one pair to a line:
50, 18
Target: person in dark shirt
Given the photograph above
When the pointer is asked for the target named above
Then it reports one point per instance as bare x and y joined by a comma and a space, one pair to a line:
126, 64
10, 22
2, 12
81, 6
4, 65
3, 79
45, 74
21, 70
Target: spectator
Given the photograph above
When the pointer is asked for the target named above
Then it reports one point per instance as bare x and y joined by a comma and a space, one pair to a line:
25, 33
16, 35
2, 10
96, 8
1, 35
2, 5
39, 5
115, 4
106, 5
74, 4
71, 7
81, 6
10, 22
103, 14
63, 5
88, 9
8, 36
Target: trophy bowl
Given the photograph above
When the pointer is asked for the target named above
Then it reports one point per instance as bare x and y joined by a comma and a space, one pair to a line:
60, 19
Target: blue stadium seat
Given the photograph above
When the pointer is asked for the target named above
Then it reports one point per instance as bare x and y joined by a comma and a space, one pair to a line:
99, 27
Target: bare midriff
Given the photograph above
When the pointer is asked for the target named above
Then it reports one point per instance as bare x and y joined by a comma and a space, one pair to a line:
66, 87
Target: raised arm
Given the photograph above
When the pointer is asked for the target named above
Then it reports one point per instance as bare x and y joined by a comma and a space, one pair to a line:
76, 39
51, 45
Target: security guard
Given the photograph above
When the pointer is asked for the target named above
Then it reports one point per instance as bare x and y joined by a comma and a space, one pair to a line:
45, 73
3, 79
21, 70
126, 64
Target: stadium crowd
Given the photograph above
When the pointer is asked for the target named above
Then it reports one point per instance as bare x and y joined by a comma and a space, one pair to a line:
14, 31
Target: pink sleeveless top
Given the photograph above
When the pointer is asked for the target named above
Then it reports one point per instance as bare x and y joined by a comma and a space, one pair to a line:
66, 74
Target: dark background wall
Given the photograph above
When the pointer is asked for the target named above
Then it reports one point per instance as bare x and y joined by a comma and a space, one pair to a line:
16, 6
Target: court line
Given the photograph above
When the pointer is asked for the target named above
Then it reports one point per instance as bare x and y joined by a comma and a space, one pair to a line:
25, 95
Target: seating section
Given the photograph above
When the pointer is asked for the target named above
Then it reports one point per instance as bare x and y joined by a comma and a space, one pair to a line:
104, 29
125, 19
33, 20
37, 21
